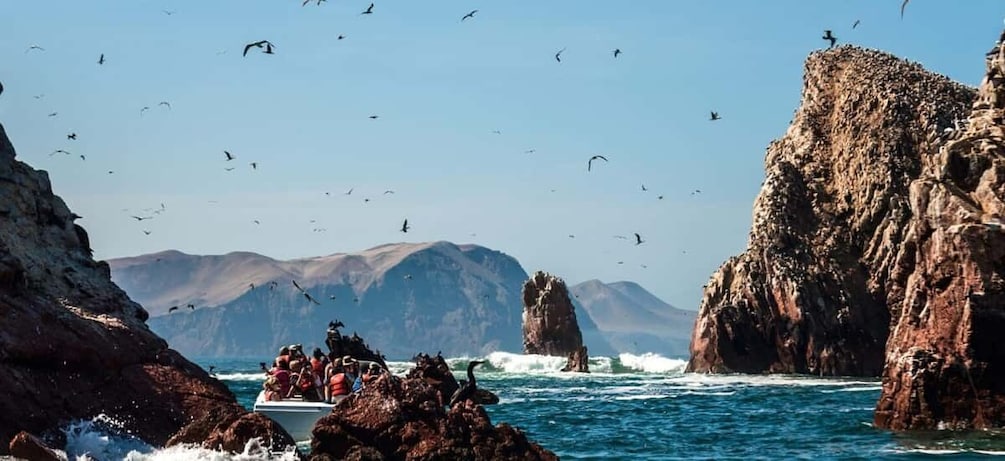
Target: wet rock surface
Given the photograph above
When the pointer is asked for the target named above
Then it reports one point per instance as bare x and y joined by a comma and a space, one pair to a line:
549, 321
397, 418
73, 345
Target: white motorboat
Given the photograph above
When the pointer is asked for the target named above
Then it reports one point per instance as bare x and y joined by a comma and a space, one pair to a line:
295, 415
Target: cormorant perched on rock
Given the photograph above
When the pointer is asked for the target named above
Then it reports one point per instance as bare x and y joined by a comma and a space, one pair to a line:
467, 390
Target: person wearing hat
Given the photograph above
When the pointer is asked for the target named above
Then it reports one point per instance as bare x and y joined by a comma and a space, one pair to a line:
371, 374
352, 372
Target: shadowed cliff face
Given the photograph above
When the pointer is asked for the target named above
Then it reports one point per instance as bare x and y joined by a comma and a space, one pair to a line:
826, 265
945, 355
73, 345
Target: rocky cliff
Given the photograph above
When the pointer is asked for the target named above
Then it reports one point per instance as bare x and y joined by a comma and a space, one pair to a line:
829, 259
73, 345
944, 359
549, 321
460, 299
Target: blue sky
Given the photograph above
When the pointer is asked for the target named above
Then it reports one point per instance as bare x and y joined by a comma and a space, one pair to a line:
440, 88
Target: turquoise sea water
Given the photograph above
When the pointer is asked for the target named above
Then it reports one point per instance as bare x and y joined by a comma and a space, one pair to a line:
646, 408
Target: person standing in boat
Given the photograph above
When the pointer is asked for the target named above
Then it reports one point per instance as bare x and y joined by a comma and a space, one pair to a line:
338, 384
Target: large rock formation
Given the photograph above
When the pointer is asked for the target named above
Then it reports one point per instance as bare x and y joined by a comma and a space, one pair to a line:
461, 299
828, 260
404, 418
549, 321
945, 356
73, 345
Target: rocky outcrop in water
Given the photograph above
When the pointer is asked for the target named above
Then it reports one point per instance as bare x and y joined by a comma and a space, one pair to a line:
404, 418
73, 345
829, 258
549, 321
436, 372
945, 356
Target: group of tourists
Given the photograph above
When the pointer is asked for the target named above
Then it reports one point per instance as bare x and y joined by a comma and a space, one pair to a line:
295, 376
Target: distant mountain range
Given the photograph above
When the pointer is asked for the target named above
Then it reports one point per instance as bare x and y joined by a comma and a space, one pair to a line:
402, 298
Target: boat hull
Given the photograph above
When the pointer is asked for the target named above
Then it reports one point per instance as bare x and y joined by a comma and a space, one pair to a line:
297, 417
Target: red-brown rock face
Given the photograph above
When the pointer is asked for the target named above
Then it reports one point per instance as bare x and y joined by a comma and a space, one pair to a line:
827, 263
945, 356
72, 344
549, 321
404, 418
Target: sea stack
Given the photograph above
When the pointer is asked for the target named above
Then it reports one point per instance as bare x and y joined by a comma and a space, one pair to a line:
73, 345
549, 322
832, 246
945, 356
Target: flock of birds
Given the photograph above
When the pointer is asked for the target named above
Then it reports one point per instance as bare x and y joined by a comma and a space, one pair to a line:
269, 48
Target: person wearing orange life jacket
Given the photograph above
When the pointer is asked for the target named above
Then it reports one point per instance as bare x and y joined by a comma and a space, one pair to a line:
282, 374
319, 361
337, 385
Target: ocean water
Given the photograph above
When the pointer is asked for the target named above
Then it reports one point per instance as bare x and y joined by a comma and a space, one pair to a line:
632, 408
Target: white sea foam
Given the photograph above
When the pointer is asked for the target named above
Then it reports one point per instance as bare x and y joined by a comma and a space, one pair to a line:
652, 363
104, 438
519, 363
260, 376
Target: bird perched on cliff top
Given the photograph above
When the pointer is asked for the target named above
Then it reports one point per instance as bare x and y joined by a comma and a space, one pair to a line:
369, 10
267, 44
829, 36
902, 6
589, 163
467, 390
558, 56
404, 226
469, 15
715, 116
638, 239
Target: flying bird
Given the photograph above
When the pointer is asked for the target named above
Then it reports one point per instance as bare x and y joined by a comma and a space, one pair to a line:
257, 221
146, 232
267, 44
34, 47
902, 6
389, 191
369, 10
496, 132
172, 309
715, 116
404, 226
638, 239
229, 156
558, 56
72, 136
340, 37
165, 103
617, 51
254, 165
59, 151
644, 188
829, 36
144, 109
53, 114
373, 117
469, 15
311, 298
298, 286
589, 163
229, 169
349, 192
169, 13
101, 59
530, 151
856, 24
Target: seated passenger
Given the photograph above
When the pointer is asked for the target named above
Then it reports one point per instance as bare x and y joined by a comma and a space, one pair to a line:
305, 384
371, 374
272, 389
282, 375
337, 385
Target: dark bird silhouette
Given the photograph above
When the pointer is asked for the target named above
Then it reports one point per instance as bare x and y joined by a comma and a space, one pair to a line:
496, 132
298, 286
660, 197
82, 157
72, 136
467, 391
311, 298
165, 103
267, 44
373, 117
340, 37
144, 109
558, 56
1, 88
829, 36
589, 163
101, 59
644, 188
638, 239
191, 306
332, 297
53, 114
714, 116
211, 368
349, 192
408, 276
469, 15
902, 6
59, 151
530, 151
855, 24
34, 47
254, 165
257, 221
404, 226
169, 13
146, 232
140, 218
617, 51
369, 10
251, 285
308, 1
229, 156
172, 309
229, 169
389, 191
